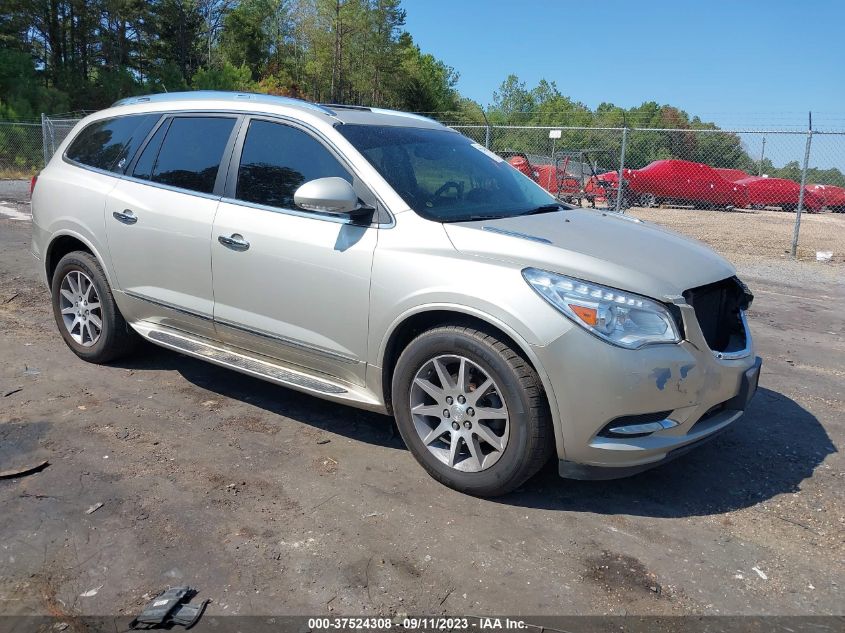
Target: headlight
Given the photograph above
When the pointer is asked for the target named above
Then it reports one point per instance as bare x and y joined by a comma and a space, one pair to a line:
618, 317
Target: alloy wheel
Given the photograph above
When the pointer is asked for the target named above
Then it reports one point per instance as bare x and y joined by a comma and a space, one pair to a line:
80, 308
459, 413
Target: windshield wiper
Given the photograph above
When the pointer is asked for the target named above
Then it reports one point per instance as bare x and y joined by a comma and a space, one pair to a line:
545, 208
473, 218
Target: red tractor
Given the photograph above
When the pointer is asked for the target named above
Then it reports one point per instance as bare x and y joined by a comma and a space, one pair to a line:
552, 177
572, 176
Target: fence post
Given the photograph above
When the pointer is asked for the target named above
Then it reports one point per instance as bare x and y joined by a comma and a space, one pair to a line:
486, 129
44, 138
621, 187
801, 191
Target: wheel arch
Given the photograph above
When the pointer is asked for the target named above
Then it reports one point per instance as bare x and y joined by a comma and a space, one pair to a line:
408, 326
66, 242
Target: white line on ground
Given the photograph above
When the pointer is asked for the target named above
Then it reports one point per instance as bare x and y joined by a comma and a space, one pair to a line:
14, 214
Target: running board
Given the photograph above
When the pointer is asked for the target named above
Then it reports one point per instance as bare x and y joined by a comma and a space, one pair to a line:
241, 361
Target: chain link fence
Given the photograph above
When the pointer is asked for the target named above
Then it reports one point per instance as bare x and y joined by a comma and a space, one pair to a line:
608, 168
21, 149
26, 146
704, 169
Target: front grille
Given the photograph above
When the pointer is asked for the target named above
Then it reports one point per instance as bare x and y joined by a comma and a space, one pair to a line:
717, 308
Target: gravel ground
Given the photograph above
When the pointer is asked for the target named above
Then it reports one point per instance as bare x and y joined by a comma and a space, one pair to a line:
273, 502
749, 236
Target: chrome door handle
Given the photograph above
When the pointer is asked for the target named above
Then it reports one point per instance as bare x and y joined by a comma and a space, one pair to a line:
236, 242
126, 216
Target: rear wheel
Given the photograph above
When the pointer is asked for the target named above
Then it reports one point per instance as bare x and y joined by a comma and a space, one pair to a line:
85, 311
471, 410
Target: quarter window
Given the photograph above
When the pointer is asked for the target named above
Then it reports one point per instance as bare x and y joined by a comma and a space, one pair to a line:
146, 161
109, 144
276, 159
190, 153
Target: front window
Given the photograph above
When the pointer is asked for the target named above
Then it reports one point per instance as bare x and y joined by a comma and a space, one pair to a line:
444, 176
277, 159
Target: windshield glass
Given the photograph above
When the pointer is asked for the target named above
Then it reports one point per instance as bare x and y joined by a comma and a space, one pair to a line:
443, 175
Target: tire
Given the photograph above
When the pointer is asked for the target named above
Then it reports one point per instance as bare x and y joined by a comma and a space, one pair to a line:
527, 438
76, 271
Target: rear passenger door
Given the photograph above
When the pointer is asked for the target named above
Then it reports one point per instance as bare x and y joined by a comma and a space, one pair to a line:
295, 284
159, 218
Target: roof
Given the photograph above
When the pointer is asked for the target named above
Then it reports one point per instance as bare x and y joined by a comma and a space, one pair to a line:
355, 115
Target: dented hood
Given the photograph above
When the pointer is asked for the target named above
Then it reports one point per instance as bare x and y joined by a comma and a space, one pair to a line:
606, 248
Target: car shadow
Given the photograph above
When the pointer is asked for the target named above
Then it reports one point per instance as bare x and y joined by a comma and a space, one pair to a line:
345, 421
769, 451
774, 447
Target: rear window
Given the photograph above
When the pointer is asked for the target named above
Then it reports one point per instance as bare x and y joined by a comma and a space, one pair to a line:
190, 154
109, 144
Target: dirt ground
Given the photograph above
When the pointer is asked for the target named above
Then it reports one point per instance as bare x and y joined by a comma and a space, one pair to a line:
748, 236
273, 502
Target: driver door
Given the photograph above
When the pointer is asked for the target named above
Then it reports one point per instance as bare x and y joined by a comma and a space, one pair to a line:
288, 283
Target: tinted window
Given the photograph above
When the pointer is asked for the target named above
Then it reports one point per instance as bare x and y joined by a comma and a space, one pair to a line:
277, 159
191, 152
443, 175
146, 162
109, 144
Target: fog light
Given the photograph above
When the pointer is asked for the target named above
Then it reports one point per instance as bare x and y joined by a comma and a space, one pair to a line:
642, 429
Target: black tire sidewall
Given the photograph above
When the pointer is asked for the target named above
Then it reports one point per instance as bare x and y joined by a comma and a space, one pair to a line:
105, 347
498, 478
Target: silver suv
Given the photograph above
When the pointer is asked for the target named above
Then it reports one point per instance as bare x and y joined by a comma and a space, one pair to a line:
381, 260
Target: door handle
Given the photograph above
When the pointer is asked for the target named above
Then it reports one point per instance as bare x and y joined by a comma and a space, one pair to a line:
236, 242
126, 216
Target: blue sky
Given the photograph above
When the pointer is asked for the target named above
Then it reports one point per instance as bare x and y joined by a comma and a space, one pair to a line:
735, 63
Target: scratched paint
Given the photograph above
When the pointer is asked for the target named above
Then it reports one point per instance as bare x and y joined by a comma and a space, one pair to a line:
661, 376
685, 369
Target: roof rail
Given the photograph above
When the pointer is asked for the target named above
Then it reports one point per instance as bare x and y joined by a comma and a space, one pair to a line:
341, 106
409, 115
210, 95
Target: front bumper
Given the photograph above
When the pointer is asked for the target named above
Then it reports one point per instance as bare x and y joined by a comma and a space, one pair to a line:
595, 383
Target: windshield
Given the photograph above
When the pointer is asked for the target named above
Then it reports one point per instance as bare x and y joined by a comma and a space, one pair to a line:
444, 176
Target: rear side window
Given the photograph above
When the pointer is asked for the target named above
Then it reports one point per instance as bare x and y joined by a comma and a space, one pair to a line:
146, 162
110, 144
190, 154
276, 159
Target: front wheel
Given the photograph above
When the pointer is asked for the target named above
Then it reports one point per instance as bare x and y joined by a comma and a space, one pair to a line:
471, 410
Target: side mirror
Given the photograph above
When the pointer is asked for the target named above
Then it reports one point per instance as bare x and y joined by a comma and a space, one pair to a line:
328, 195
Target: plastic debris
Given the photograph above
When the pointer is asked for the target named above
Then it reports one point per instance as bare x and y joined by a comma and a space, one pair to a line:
824, 256
94, 508
760, 573
168, 608
91, 592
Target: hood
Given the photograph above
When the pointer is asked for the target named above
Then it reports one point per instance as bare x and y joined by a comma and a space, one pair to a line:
606, 248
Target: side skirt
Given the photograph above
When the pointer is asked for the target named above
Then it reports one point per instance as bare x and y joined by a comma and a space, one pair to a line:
260, 367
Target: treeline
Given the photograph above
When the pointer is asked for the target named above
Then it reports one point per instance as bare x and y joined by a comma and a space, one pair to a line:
66, 55
72, 55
